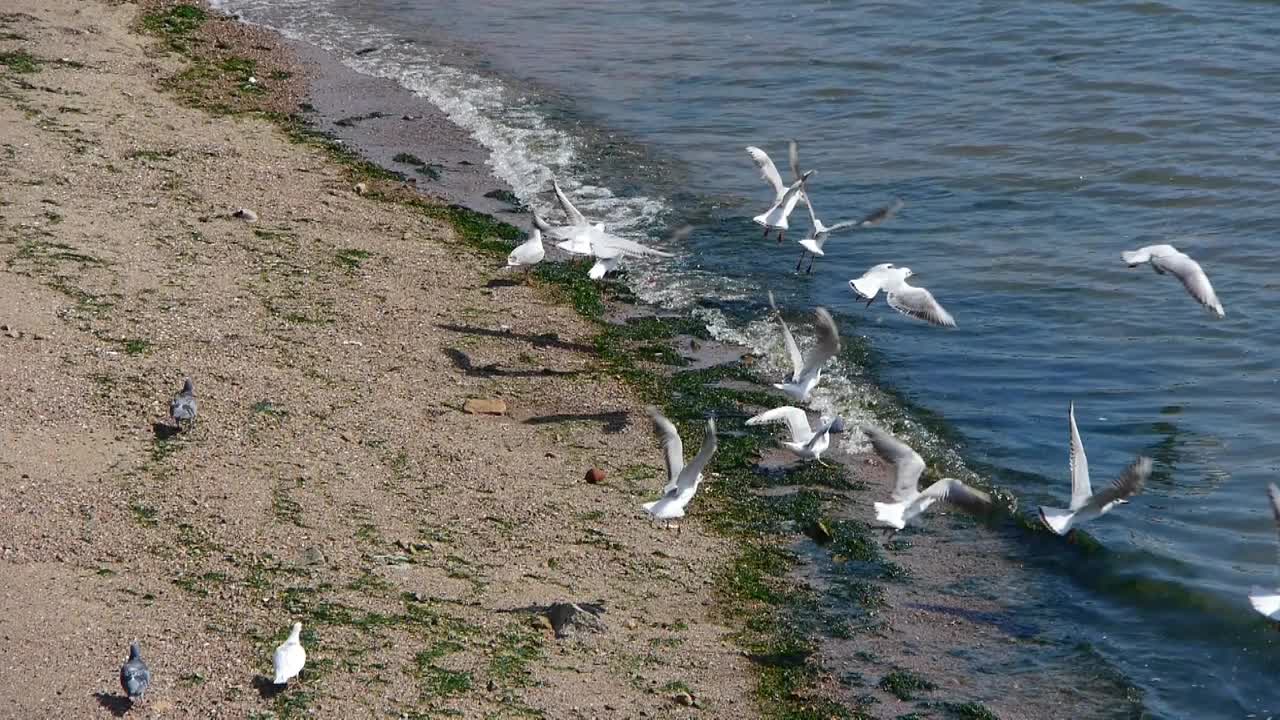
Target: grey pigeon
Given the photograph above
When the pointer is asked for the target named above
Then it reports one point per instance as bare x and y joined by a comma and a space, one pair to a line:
134, 675
182, 408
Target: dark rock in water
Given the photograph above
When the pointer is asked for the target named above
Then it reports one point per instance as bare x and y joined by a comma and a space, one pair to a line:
568, 618
366, 51
509, 198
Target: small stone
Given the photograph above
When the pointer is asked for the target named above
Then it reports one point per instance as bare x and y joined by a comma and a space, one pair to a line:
11, 332
485, 406
361, 188
491, 686
595, 476
542, 622
566, 618
406, 235
313, 556
245, 214
684, 699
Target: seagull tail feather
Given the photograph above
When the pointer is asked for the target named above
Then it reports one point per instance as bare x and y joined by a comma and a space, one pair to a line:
1057, 519
892, 514
1266, 602
812, 246
864, 287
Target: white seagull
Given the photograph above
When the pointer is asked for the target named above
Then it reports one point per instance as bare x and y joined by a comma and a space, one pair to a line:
807, 371
908, 501
808, 443
1167, 259
289, 657
581, 237
785, 197
1086, 504
906, 299
682, 479
818, 233
1265, 601
528, 253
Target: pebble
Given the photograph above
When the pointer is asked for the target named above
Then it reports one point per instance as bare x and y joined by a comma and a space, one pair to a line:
485, 406
595, 476
245, 214
361, 188
684, 699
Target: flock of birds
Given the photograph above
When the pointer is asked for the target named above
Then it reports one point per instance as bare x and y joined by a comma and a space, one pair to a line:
807, 441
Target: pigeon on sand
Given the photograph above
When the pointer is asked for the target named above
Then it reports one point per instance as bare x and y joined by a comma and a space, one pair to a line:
807, 371
682, 479
289, 657
1086, 504
909, 502
135, 676
182, 408
1167, 259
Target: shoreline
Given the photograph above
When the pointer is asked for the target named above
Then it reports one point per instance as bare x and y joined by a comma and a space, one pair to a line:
758, 598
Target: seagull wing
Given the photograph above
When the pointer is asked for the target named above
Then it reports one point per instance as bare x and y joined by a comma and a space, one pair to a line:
672, 447
879, 215
793, 154
794, 417
907, 463
611, 245
1080, 489
919, 303
789, 342
1126, 486
689, 475
1193, 279
822, 430
1274, 493
954, 492
827, 346
575, 217
767, 170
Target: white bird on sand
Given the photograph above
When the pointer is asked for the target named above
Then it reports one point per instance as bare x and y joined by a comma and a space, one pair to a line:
581, 237
785, 196
528, 253
1086, 504
906, 299
818, 233
807, 371
908, 500
1265, 601
289, 657
808, 443
682, 479
1167, 259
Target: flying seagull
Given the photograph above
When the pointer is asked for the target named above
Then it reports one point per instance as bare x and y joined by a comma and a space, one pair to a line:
807, 371
289, 657
1086, 504
1167, 259
908, 500
528, 253
609, 250
182, 408
808, 443
135, 677
906, 299
1264, 601
682, 479
818, 233
785, 197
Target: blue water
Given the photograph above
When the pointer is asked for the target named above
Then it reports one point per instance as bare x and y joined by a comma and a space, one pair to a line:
1032, 143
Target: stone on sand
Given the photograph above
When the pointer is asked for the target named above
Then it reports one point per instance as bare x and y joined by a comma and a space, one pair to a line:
485, 406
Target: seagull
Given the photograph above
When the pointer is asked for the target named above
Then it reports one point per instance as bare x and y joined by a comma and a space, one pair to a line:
909, 502
906, 299
528, 253
1167, 259
583, 238
805, 442
818, 233
807, 371
1264, 601
182, 408
785, 196
135, 677
1086, 504
610, 249
682, 480
289, 657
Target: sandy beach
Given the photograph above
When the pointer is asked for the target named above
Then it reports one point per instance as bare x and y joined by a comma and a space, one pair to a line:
393, 433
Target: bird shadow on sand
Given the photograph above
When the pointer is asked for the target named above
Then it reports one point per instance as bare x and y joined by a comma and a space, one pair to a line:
505, 282
462, 361
117, 705
614, 422
539, 341
267, 689
164, 431
595, 608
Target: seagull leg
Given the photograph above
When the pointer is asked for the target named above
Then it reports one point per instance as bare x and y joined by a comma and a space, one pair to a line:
810, 268
802, 254
766, 232
780, 234
873, 299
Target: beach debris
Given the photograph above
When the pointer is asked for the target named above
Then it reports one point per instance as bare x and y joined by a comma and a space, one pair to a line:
289, 657
820, 532
312, 555
907, 299
135, 676
361, 188
568, 618
1086, 504
1167, 259
182, 408
1266, 601
682, 479
785, 197
909, 501
10, 331
485, 406
807, 371
685, 699
595, 476
806, 442
245, 214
